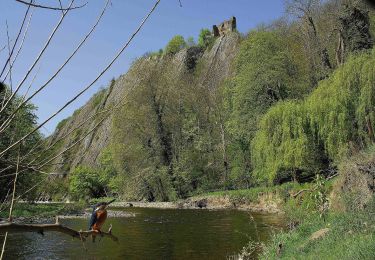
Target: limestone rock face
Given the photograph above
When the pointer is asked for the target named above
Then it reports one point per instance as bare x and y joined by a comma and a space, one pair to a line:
215, 68
225, 27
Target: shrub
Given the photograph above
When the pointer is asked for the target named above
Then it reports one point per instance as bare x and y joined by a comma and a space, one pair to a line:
175, 45
205, 38
85, 182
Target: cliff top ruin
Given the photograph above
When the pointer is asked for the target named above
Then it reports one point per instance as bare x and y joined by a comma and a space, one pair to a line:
225, 27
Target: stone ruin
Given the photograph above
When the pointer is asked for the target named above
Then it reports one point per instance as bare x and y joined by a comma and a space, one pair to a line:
225, 27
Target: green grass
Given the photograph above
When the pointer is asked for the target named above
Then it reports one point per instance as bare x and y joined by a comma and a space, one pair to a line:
42, 210
351, 236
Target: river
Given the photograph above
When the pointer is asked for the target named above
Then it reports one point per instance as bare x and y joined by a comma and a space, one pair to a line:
154, 234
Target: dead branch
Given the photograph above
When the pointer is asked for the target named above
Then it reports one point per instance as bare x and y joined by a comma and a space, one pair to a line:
50, 7
301, 191
41, 228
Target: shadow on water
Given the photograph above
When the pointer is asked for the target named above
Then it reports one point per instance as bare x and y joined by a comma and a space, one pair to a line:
154, 234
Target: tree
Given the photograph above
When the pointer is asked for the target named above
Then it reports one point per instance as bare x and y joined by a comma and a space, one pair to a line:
85, 182
354, 31
205, 38
190, 42
175, 45
335, 120
265, 73
24, 121
307, 11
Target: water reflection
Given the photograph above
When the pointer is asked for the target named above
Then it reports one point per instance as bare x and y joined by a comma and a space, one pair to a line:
154, 234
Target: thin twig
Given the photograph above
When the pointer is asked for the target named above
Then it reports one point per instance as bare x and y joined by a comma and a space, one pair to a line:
10, 64
51, 7
38, 57
91, 84
62, 66
15, 42
21, 44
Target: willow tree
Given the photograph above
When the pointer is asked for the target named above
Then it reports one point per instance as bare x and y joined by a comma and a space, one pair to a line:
335, 120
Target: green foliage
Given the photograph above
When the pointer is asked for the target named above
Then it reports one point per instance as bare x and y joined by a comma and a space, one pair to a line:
62, 123
164, 144
85, 182
56, 188
265, 74
23, 122
109, 175
175, 45
205, 38
98, 97
355, 28
266, 71
339, 112
32, 210
190, 42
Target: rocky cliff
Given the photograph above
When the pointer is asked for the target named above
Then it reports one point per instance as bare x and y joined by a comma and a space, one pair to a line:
215, 65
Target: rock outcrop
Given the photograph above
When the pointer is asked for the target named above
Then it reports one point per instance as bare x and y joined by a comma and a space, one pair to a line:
215, 65
225, 27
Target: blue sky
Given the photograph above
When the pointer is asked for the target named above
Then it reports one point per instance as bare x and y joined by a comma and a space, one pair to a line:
120, 20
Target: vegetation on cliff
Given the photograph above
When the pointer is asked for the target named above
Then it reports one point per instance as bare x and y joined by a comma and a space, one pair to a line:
294, 99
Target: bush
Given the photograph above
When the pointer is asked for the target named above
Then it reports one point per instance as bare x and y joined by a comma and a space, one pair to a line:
85, 182
205, 38
175, 45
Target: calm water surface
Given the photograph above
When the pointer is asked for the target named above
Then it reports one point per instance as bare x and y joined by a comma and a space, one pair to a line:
154, 234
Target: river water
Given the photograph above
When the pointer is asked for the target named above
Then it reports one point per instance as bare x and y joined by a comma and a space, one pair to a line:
154, 234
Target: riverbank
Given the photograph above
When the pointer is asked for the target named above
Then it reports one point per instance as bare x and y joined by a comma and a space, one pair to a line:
46, 212
259, 199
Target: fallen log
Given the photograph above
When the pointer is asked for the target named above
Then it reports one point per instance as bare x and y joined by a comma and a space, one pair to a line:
57, 227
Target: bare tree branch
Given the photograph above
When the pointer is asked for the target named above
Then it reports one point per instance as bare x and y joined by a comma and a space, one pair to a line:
10, 64
41, 228
37, 59
51, 7
91, 84
21, 44
15, 42
2, 128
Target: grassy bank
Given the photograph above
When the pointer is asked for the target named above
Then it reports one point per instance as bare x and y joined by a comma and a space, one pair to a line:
349, 235
30, 210
344, 230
